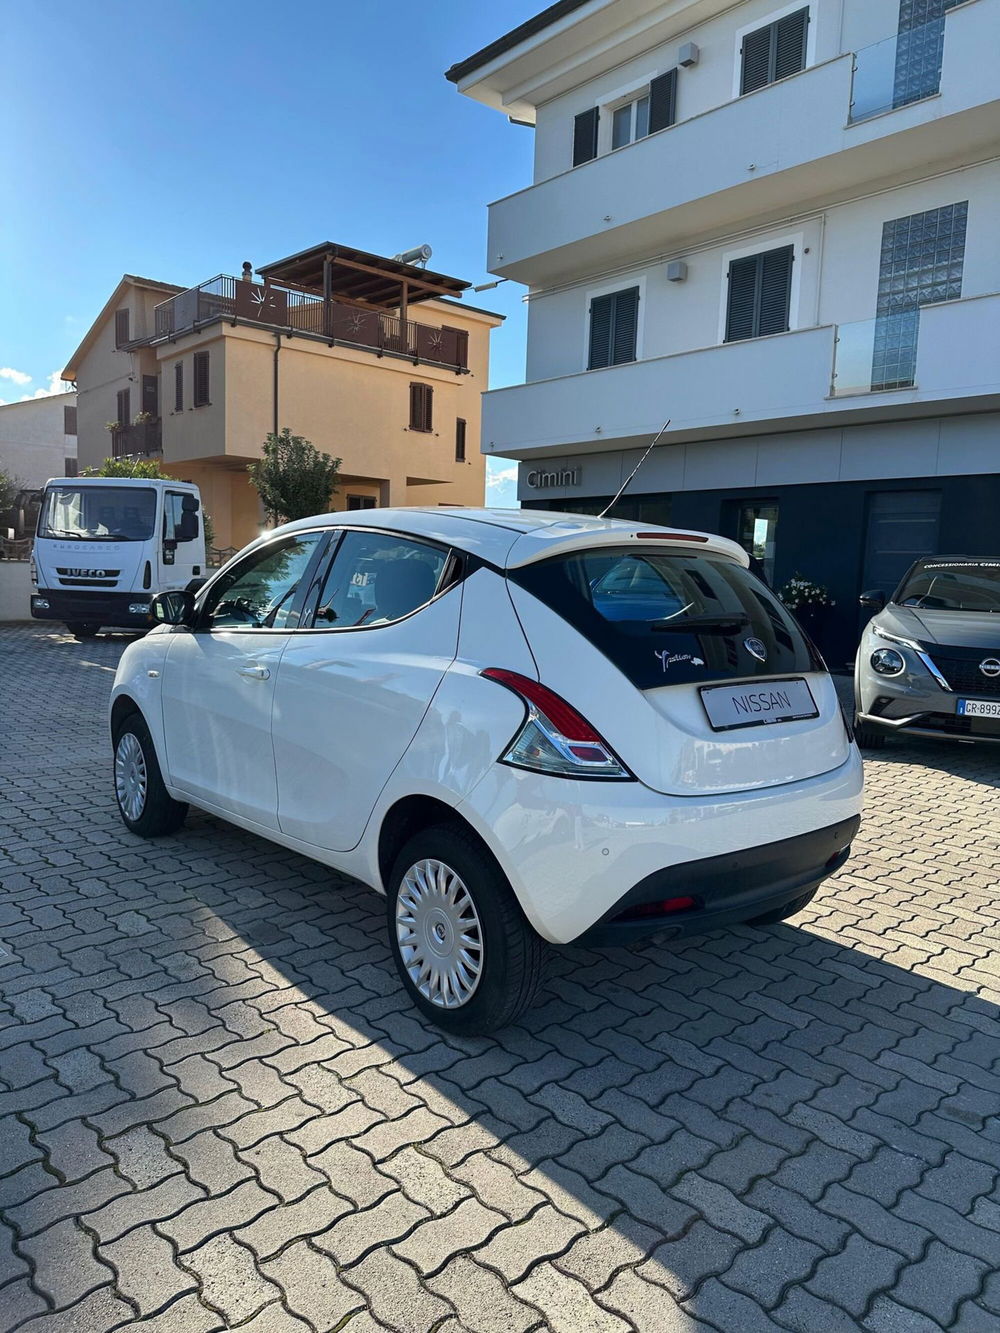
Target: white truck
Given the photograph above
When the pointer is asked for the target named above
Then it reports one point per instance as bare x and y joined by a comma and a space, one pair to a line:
105, 545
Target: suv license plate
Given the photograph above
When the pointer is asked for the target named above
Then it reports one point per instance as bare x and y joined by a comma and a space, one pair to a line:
978, 708
754, 704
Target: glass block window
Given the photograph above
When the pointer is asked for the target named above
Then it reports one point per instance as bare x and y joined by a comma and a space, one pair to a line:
920, 264
919, 49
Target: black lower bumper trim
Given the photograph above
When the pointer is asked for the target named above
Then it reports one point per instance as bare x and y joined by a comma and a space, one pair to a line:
728, 889
90, 608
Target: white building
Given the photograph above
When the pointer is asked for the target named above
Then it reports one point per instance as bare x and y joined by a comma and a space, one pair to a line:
38, 439
777, 226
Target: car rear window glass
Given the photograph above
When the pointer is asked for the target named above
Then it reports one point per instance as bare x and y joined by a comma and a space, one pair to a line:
668, 618
952, 585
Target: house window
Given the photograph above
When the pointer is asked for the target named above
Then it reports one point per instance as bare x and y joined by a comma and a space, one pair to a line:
178, 386
459, 441
921, 263
121, 328
361, 502
69, 421
151, 395
758, 525
614, 325
421, 407
124, 407
630, 122
201, 398
774, 51
70, 467
759, 294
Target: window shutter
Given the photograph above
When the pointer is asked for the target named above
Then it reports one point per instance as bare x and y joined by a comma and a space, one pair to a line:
790, 44
585, 136
459, 441
178, 386
775, 289
121, 328
421, 407
69, 420
201, 398
756, 60
601, 317
428, 408
124, 407
662, 101
626, 326
742, 298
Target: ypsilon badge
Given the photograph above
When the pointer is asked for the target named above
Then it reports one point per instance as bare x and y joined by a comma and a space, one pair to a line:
667, 658
756, 649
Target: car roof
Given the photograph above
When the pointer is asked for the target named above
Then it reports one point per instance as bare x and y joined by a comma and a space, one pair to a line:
511, 538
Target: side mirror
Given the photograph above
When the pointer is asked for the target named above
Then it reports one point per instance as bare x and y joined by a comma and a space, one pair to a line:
874, 599
187, 529
173, 608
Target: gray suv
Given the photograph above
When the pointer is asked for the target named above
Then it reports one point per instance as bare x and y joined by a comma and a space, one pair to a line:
929, 660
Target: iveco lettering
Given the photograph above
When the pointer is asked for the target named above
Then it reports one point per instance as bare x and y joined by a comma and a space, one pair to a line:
524, 729
929, 661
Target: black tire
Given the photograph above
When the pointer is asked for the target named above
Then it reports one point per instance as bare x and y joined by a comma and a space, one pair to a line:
158, 812
511, 955
783, 913
869, 738
82, 631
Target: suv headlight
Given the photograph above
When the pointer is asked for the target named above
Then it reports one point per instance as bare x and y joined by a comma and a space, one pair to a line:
887, 662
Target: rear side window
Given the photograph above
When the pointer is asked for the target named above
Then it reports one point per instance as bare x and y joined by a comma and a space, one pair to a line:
376, 578
665, 618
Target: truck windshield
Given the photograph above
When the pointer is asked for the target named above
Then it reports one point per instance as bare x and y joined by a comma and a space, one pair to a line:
952, 585
98, 513
665, 618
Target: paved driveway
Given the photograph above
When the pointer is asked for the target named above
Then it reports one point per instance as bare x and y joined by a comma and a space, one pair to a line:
217, 1110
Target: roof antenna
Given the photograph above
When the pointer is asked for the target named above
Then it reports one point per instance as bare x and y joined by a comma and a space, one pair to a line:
625, 484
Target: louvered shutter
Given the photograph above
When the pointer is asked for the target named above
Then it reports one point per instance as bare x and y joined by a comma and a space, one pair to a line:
69, 420
756, 60
775, 289
124, 408
121, 328
585, 136
178, 386
459, 440
421, 407
201, 398
742, 298
428, 408
790, 44
626, 323
662, 101
601, 316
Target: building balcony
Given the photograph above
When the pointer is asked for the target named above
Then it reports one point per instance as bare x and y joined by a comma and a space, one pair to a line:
303, 312
848, 123
827, 375
143, 439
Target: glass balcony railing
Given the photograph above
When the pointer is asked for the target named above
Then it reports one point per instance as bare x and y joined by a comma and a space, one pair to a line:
876, 354
899, 70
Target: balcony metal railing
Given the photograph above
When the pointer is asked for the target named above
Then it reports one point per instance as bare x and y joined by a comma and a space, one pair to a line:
284, 306
901, 69
873, 355
138, 440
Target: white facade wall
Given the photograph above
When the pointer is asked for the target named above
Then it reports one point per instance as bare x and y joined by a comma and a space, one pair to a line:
33, 442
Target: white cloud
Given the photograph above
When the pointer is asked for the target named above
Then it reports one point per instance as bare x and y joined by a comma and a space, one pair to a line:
17, 376
501, 484
55, 385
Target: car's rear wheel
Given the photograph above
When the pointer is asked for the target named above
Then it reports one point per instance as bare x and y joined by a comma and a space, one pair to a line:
783, 913
464, 951
145, 805
79, 630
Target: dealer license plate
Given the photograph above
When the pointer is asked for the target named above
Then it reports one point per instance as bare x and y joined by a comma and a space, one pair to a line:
755, 704
978, 708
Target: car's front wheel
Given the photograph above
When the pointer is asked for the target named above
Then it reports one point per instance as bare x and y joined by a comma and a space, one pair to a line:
145, 805
465, 953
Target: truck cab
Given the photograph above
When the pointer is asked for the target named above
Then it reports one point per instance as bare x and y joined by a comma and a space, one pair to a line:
104, 546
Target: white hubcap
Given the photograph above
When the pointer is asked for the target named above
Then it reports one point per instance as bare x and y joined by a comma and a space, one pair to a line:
439, 933
130, 776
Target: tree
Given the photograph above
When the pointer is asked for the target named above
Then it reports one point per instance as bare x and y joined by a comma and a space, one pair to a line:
126, 467
9, 487
293, 479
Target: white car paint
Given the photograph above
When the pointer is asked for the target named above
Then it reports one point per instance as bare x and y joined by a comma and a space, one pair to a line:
349, 722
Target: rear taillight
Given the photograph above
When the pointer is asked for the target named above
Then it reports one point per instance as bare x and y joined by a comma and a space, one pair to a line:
555, 739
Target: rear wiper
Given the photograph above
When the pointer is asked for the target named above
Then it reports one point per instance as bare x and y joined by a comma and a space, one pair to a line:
720, 623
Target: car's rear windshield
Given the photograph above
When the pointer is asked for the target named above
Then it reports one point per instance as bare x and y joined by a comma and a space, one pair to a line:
669, 618
952, 585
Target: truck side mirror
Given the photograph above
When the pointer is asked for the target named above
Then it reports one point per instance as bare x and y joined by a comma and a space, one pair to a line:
874, 599
173, 608
187, 529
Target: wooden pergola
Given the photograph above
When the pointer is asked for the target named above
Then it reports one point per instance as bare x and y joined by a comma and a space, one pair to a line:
361, 278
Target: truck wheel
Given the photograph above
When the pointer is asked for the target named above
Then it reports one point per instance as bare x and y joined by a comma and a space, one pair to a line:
81, 631
463, 949
145, 805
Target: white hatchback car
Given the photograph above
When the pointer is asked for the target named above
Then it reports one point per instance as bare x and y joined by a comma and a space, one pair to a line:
520, 727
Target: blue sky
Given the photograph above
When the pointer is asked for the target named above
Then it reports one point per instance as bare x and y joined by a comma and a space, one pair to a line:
176, 139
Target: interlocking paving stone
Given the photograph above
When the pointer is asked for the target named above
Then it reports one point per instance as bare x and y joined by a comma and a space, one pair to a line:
201, 1038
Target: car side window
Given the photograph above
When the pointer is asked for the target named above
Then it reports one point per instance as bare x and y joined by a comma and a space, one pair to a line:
376, 578
259, 593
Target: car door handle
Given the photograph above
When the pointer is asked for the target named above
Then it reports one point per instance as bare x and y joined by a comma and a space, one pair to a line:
253, 672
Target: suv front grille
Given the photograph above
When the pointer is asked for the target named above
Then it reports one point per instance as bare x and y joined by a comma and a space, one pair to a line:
964, 676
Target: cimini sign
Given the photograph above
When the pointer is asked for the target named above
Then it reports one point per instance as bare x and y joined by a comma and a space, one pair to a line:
538, 479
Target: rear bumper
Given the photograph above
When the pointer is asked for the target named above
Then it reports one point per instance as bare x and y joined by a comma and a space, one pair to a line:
728, 889
90, 608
